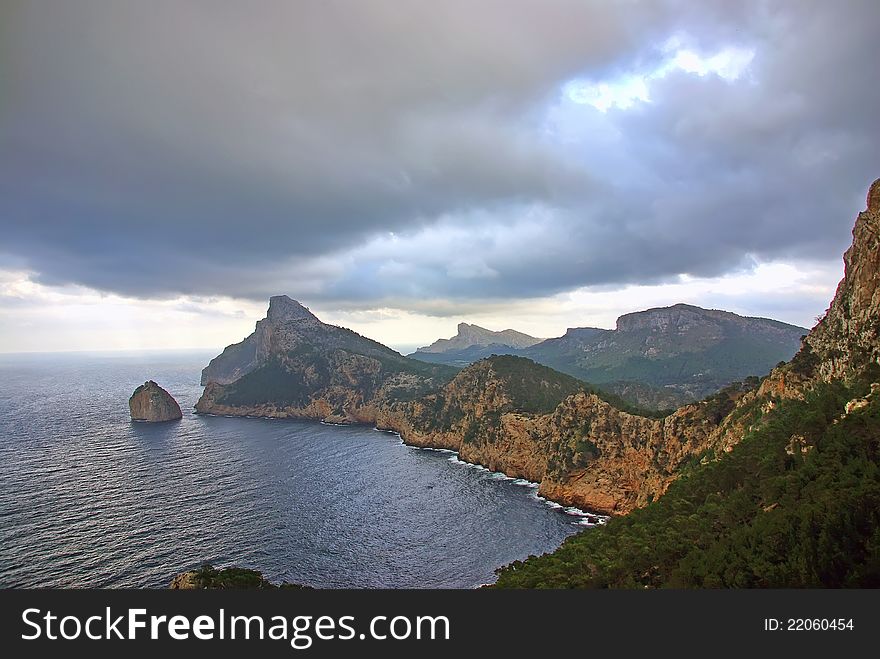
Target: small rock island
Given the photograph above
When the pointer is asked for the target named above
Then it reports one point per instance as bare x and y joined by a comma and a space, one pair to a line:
152, 404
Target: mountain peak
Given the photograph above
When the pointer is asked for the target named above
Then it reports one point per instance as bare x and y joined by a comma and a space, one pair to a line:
659, 317
473, 335
683, 315
583, 332
282, 307
873, 201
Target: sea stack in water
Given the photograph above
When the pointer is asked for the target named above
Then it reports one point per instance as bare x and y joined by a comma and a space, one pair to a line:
151, 403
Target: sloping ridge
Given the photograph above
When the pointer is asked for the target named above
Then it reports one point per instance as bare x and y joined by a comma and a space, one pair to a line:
470, 336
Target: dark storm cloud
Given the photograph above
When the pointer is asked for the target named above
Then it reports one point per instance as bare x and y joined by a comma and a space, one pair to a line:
157, 148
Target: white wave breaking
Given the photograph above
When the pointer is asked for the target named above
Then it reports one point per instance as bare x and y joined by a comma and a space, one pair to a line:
584, 518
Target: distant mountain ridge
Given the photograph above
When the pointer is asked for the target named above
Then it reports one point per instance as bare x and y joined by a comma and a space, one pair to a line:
469, 336
658, 358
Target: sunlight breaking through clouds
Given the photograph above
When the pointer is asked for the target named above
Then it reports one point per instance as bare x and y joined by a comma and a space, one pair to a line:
730, 63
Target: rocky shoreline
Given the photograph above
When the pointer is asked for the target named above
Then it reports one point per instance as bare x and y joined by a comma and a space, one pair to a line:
511, 461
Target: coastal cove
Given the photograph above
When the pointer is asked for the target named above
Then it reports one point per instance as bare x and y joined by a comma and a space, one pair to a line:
584, 518
94, 500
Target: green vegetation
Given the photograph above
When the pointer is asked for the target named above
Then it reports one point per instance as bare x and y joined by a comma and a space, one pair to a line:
805, 361
648, 396
234, 578
795, 504
342, 338
569, 454
538, 389
695, 364
683, 366
440, 372
533, 387
719, 405
526, 387
275, 383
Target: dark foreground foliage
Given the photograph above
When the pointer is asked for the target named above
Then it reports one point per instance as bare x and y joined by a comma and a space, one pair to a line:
795, 504
237, 578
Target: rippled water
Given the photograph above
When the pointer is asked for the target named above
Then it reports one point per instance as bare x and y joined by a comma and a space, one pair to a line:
90, 499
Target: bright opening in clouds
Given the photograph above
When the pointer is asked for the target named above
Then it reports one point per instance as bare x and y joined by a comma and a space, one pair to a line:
166, 166
625, 90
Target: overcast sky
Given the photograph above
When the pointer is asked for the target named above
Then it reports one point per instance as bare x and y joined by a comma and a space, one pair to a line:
399, 167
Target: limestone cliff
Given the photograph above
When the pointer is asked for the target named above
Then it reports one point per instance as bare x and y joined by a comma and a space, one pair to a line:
153, 404
848, 336
846, 341
286, 323
580, 448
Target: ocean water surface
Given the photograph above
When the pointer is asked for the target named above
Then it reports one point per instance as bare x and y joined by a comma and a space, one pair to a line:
90, 499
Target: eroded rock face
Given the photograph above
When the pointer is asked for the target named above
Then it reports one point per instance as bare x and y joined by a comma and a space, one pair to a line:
584, 453
185, 581
848, 337
286, 325
151, 403
874, 196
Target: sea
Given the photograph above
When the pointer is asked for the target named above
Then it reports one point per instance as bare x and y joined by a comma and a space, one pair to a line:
90, 499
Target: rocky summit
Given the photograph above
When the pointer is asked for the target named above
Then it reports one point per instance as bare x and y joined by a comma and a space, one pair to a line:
286, 325
848, 336
470, 336
151, 403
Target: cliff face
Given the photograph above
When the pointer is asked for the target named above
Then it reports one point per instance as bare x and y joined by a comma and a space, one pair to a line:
581, 449
152, 403
208, 577
846, 341
848, 337
506, 412
286, 324
588, 453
